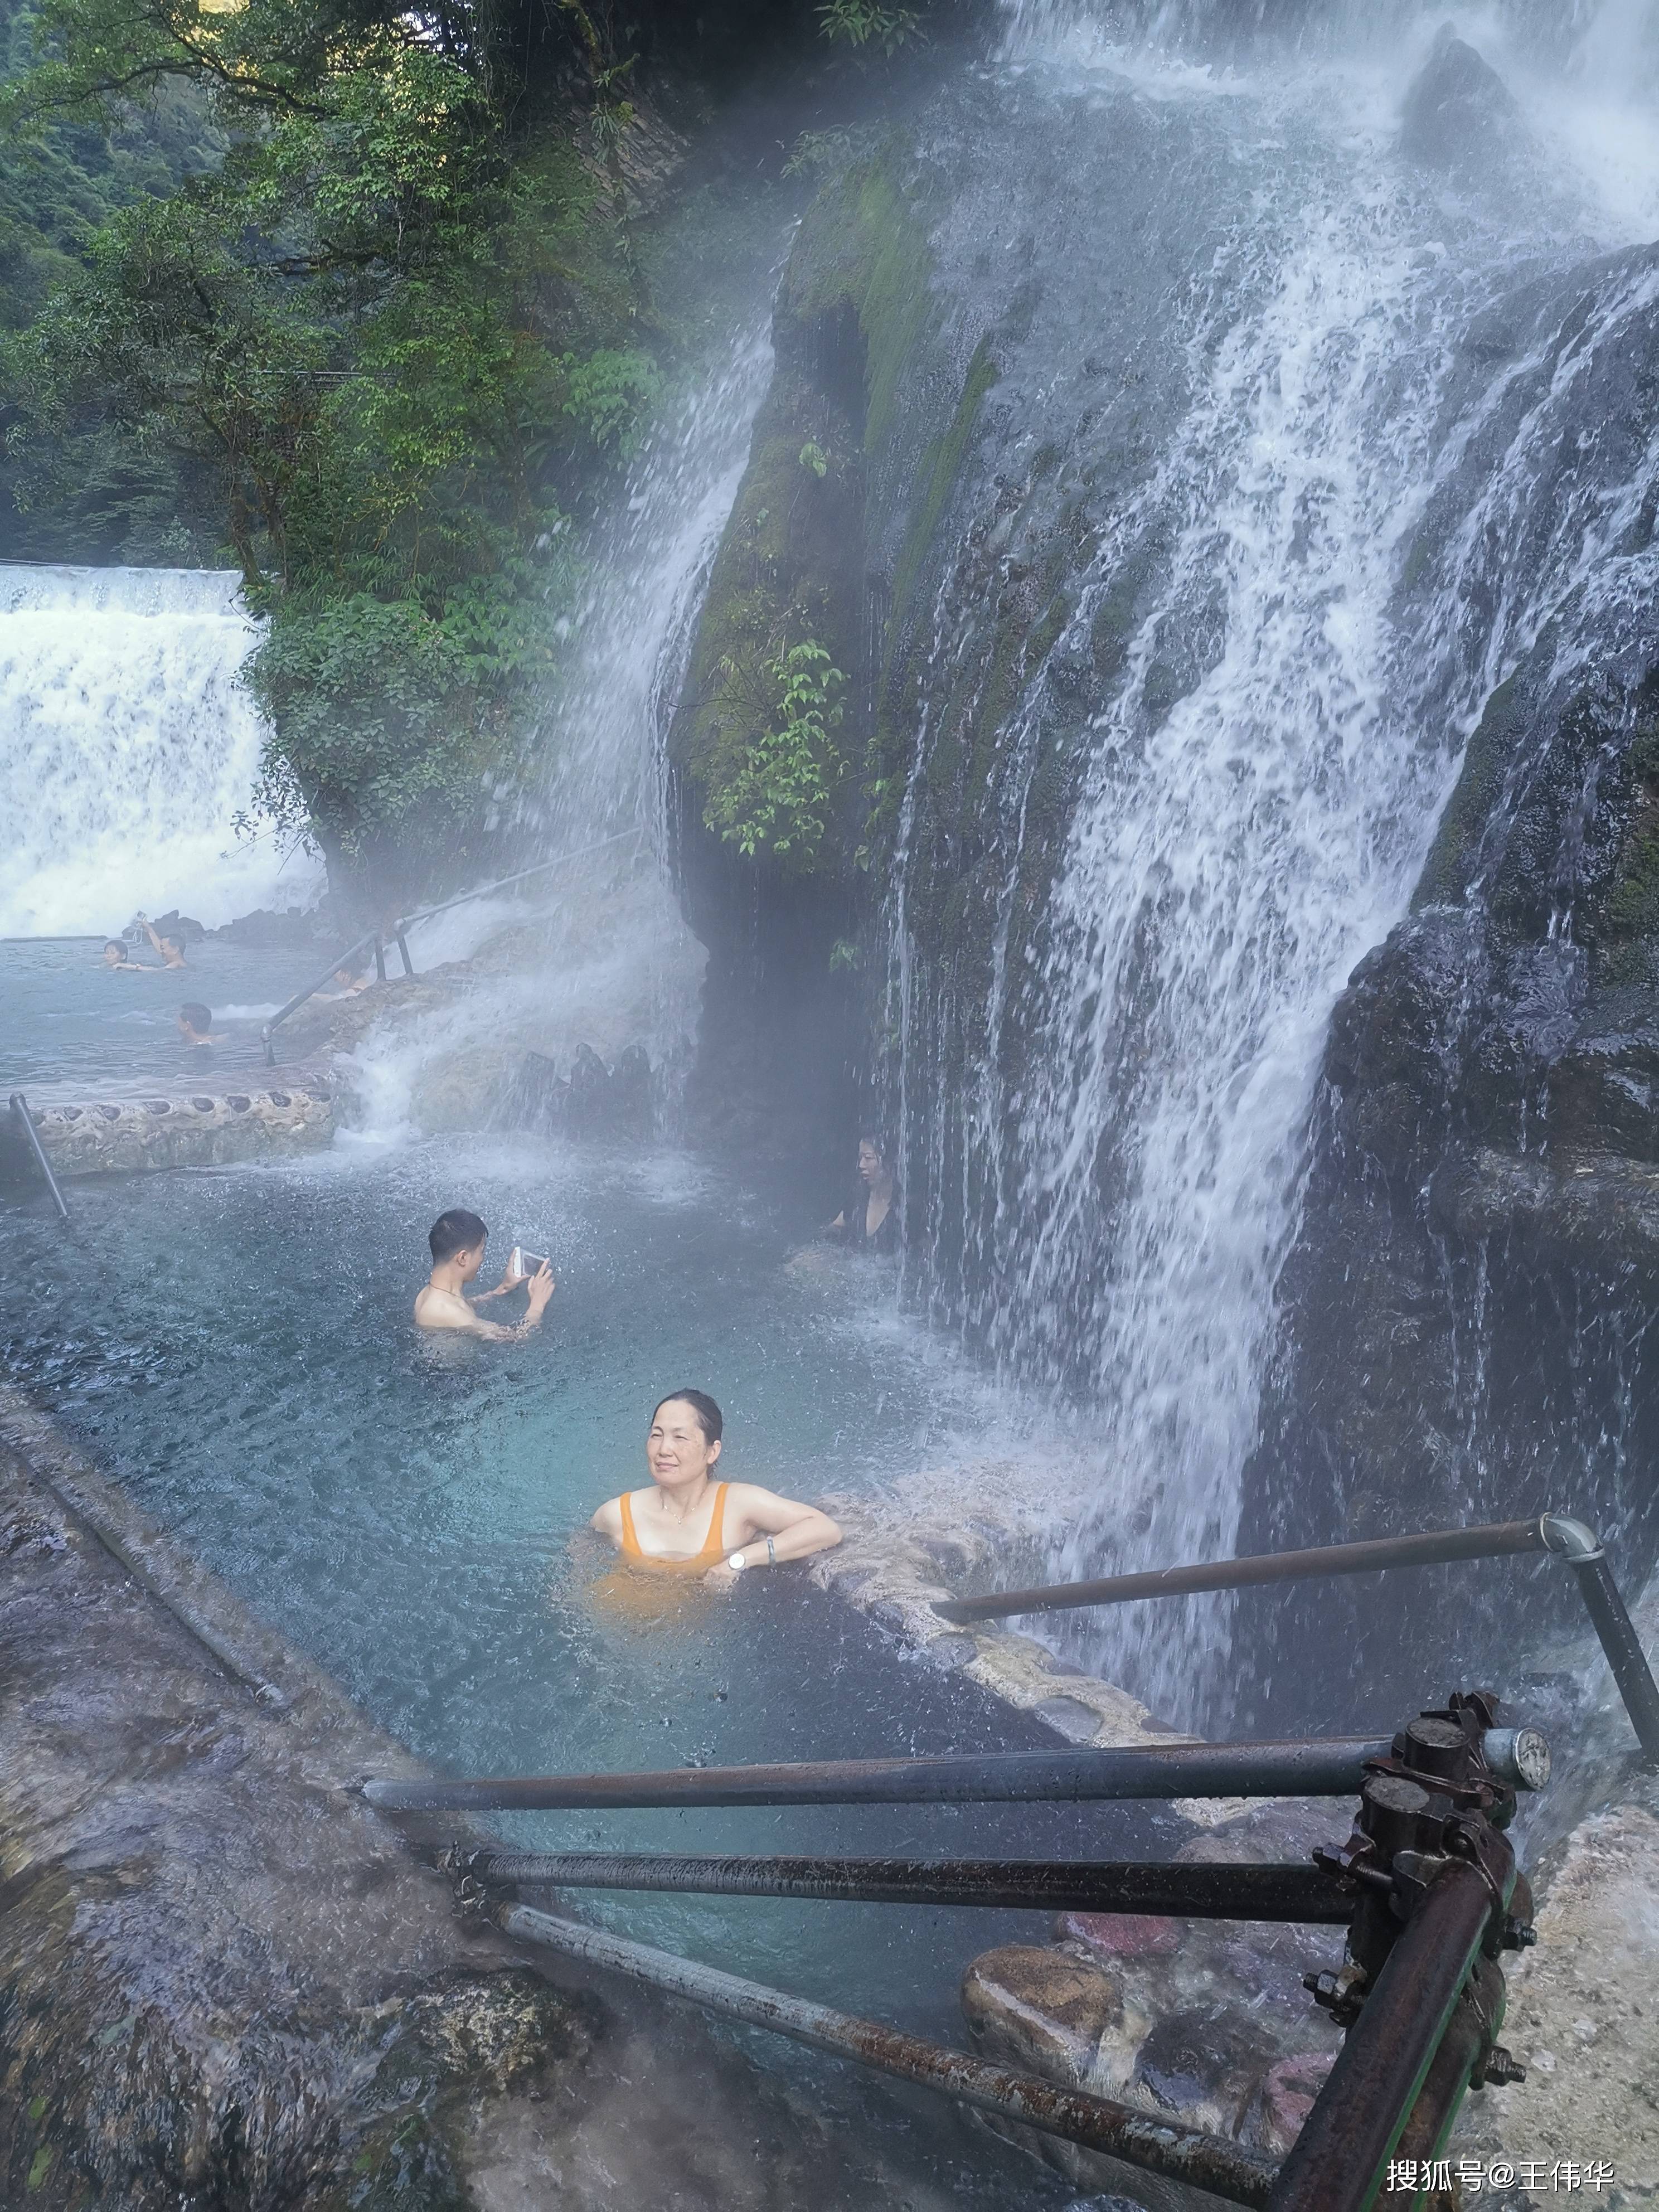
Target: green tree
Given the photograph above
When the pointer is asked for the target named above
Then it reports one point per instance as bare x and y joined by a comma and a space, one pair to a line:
394, 342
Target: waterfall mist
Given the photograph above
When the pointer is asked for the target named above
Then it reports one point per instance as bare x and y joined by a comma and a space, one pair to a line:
1293, 331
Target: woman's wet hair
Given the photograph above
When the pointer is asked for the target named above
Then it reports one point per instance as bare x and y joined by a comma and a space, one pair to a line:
874, 1143
710, 1420
114, 944
458, 1230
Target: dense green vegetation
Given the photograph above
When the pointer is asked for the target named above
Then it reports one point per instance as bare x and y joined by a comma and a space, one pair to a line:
378, 347
353, 299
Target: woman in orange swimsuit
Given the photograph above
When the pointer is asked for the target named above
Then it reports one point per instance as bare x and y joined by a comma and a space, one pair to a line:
687, 1523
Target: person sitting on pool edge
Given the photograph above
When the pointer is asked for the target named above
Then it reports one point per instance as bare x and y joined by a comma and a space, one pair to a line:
196, 1024
687, 1523
456, 1240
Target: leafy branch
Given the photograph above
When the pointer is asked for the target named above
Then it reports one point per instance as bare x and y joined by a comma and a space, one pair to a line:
777, 800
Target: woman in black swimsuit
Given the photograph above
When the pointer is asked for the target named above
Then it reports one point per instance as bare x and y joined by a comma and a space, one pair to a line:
870, 1220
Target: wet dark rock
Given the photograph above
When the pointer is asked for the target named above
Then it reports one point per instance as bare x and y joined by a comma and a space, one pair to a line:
1459, 115
201, 2001
1284, 2098
181, 927
1041, 2010
592, 1101
227, 1986
1466, 1307
1204, 2061
273, 929
1120, 1934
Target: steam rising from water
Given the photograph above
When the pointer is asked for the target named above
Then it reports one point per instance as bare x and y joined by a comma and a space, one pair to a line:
127, 747
622, 969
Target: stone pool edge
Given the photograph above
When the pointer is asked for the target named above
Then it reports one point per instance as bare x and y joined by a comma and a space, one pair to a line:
184, 2008
130, 1132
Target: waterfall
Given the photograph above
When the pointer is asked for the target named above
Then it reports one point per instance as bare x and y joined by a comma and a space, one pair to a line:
620, 968
1314, 545
128, 746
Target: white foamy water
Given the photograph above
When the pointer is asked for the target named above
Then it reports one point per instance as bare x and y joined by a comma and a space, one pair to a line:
1266, 772
623, 968
127, 747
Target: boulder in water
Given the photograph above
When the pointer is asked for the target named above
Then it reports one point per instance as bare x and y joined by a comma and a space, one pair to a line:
1459, 115
182, 927
266, 927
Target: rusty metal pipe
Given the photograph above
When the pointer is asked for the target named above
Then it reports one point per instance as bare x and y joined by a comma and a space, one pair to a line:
25, 1120
1338, 2161
1328, 1767
1476, 2018
1186, 2154
1293, 1892
1432, 1549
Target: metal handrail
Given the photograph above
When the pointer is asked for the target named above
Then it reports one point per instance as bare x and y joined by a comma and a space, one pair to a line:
19, 1108
1427, 1882
398, 931
1331, 1767
1556, 1534
1151, 2142
1297, 1891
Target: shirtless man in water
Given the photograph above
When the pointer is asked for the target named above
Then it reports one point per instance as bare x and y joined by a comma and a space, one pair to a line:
686, 1522
457, 1239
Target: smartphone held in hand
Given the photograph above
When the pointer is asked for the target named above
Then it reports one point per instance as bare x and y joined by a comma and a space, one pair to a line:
526, 1263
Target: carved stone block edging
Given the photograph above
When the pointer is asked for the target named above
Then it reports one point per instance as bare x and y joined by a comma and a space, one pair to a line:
894, 1574
183, 1129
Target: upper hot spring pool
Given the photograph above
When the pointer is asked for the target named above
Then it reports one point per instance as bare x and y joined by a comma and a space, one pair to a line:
236, 1348
71, 1023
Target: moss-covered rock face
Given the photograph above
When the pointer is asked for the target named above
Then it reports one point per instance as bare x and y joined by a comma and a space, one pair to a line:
896, 512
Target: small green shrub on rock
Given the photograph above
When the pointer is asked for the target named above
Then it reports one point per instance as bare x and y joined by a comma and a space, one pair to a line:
777, 801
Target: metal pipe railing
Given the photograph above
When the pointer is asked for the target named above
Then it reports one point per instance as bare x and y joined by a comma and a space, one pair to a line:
1557, 1534
1426, 1883
1326, 1559
1331, 1767
20, 1110
1337, 2161
1582, 1550
398, 931
1155, 2145
1299, 1894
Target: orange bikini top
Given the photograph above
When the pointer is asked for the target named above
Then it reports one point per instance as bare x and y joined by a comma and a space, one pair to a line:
713, 1549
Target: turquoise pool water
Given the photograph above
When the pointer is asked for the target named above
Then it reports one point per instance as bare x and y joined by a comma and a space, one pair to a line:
69, 1023
236, 1347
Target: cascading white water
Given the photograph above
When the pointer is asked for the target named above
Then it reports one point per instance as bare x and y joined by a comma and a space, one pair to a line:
128, 746
624, 970
1266, 772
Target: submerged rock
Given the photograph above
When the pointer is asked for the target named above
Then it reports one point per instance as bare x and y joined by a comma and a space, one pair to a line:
1043, 2011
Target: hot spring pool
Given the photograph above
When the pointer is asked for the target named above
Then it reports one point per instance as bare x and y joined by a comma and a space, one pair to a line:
236, 1347
70, 1023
